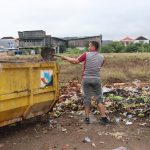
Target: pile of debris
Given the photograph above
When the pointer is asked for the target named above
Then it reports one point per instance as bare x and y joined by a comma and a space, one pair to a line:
127, 99
71, 98
131, 99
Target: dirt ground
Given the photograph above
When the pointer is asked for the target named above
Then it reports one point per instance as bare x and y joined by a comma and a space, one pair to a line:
68, 132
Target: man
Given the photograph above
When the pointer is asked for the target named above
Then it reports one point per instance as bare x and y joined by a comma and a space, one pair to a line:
91, 82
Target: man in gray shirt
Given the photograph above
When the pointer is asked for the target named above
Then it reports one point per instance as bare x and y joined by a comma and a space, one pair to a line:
91, 82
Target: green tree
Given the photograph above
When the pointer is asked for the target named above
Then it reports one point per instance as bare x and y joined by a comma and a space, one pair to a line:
106, 48
115, 47
131, 48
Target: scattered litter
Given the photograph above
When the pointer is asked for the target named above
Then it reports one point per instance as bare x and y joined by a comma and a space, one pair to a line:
99, 133
142, 124
52, 124
129, 123
86, 140
107, 90
130, 116
136, 82
117, 119
93, 144
103, 133
118, 135
119, 84
101, 142
120, 148
106, 133
70, 116
64, 130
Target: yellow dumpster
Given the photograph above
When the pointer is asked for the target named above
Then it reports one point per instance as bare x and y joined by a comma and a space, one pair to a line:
27, 90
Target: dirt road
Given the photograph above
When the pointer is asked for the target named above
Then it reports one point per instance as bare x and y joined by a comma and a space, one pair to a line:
68, 132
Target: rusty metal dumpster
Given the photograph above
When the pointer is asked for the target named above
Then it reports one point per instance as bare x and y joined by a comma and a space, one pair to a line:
27, 90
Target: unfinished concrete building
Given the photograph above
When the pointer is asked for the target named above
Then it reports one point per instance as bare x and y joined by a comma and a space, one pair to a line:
83, 41
59, 44
32, 39
38, 38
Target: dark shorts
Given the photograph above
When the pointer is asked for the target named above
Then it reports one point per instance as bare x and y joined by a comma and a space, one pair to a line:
92, 87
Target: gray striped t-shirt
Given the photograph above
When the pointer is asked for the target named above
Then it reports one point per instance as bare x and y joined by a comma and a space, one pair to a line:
92, 64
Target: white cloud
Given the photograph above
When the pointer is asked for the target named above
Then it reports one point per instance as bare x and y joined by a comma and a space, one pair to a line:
112, 18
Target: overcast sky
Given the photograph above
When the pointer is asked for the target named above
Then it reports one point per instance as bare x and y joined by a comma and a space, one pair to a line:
114, 19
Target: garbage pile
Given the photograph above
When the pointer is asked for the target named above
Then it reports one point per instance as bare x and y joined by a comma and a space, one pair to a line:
128, 99
71, 98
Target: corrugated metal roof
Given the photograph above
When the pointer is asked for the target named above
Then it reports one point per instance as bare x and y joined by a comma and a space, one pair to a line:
78, 38
141, 38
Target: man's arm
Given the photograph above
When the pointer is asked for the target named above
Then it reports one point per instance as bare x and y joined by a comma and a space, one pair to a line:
71, 60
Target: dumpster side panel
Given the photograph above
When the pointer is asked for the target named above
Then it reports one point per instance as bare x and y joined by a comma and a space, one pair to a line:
27, 90
12, 108
13, 80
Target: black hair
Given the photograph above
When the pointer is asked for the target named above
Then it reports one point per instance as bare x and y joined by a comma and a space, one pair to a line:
95, 44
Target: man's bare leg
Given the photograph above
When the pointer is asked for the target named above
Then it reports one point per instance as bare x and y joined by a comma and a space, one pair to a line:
102, 109
87, 112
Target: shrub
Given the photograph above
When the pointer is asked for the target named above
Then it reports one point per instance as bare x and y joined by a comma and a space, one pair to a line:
116, 47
